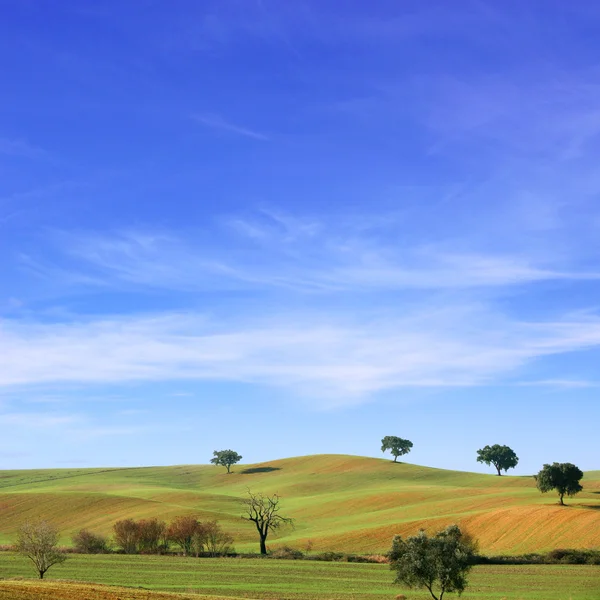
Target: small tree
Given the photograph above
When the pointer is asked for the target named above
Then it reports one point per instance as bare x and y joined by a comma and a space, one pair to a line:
502, 457
127, 535
216, 542
562, 477
150, 535
87, 542
183, 531
263, 511
225, 458
396, 445
441, 561
38, 541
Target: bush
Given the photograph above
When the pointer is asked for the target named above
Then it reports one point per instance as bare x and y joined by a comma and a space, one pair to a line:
329, 556
151, 533
565, 556
213, 540
127, 535
86, 542
287, 552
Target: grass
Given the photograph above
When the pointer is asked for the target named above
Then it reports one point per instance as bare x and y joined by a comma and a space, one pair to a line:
345, 503
273, 579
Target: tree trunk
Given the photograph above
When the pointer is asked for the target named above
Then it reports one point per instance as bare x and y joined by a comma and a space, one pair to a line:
228, 468
498, 469
41, 574
395, 458
561, 499
263, 544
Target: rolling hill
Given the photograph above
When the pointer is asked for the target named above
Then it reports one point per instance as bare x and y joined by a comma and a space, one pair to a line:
339, 502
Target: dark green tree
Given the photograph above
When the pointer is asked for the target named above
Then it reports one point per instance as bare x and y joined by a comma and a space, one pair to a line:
397, 446
438, 562
263, 511
225, 458
562, 477
502, 457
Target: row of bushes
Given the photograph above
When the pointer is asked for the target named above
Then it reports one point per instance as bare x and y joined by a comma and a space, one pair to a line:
558, 556
153, 536
563, 556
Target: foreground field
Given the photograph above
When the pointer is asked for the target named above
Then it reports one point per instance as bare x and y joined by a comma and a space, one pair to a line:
36, 590
292, 580
346, 503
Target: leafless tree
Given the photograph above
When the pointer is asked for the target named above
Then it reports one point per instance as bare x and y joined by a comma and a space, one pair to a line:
127, 535
263, 511
38, 541
182, 532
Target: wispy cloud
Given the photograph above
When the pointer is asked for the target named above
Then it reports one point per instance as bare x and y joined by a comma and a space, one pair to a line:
345, 359
307, 256
21, 148
218, 123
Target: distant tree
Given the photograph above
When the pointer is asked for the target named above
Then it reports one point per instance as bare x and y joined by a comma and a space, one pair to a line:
562, 477
397, 446
127, 535
86, 542
183, 531
441, 561
38, 541
225, 458
263, 511
502, 457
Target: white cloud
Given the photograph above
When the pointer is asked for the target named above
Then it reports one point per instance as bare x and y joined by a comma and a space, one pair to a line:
309, 354
293, 255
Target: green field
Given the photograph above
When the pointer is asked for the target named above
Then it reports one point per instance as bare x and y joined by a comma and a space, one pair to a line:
307, 580
345, 503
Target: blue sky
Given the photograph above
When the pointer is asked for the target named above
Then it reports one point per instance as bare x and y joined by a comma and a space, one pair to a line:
295, 228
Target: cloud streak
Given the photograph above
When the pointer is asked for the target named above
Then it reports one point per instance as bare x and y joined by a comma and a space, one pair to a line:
310, 258
218, 123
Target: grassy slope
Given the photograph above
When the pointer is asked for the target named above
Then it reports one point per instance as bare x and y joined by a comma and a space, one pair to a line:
339, 502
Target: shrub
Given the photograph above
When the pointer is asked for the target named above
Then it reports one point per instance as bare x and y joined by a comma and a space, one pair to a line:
127, 535
185, 532
287, 552
215, 541
329, 556
86, 542
150, 535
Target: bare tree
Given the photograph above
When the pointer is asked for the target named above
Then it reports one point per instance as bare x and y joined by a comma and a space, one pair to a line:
263, 511
127, 535
38, 541
216, 541
183, 530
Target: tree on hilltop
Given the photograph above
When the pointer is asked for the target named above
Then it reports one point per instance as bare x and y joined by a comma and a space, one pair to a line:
397, 446
38, 541
263, 511
440, 561
502, 457
562, 477
225, 458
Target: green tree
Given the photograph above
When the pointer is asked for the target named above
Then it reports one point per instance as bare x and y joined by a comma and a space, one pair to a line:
502, 457
263, 511
397, 446
441, 561
38, 541
562, 477
225, 458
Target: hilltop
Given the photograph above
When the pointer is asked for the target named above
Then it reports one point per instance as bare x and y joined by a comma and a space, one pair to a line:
339, 502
